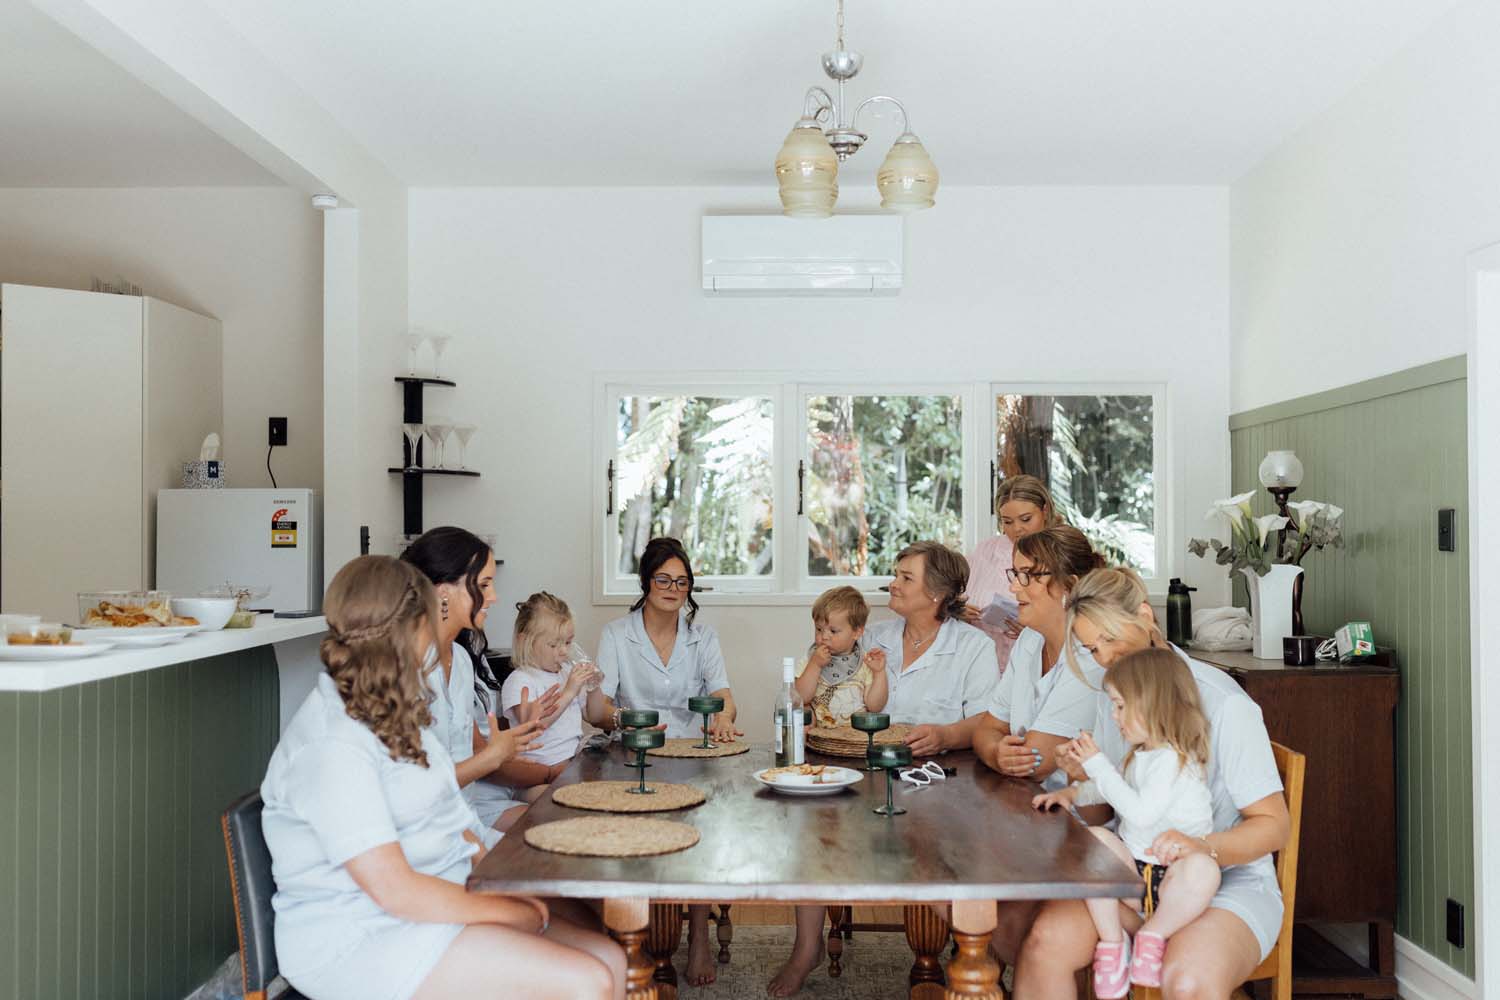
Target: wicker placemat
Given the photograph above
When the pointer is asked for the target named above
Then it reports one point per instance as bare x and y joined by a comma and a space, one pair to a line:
612, 836
846, 741
688, 747
613, 796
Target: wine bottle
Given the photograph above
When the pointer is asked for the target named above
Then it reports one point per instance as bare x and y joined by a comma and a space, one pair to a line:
787, 718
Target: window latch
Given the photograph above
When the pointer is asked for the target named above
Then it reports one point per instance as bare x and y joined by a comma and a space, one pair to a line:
609, 476
992, 487
801, 477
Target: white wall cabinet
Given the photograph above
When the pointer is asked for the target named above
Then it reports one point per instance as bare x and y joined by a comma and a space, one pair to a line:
102, 398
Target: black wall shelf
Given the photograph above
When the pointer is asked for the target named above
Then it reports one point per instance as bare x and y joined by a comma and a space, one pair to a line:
413, 472
433, 472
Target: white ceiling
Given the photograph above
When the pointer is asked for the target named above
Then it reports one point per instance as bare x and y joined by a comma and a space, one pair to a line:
71, 118
604, 92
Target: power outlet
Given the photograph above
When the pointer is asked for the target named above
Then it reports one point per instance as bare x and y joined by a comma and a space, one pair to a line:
1455, 923
278, 432
1446, 541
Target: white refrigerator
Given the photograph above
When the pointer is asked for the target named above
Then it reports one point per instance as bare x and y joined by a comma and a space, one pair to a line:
207, 538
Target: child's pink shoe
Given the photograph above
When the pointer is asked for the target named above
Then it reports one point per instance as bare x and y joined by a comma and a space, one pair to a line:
1112, 969
1145, 967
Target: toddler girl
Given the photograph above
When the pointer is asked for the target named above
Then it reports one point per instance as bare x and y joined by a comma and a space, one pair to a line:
1164, 787
542, 654
840, 675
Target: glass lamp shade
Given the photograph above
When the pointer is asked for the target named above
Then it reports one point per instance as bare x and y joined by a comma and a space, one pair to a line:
807, 171
908, 179
1281, 470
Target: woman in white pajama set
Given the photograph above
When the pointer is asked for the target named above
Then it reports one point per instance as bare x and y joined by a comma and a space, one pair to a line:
371, 841
1111, 617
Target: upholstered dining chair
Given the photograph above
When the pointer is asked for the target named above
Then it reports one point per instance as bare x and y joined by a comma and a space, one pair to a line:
252, 886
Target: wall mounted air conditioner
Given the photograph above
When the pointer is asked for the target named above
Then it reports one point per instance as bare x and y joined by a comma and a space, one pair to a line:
777, 255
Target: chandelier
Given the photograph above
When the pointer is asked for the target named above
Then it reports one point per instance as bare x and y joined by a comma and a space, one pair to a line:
807, 168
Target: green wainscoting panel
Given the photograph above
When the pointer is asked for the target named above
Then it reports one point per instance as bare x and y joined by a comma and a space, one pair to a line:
1391, 462
113, 880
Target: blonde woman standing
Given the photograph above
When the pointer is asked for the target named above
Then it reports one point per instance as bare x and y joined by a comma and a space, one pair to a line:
1111, 617
1023, 506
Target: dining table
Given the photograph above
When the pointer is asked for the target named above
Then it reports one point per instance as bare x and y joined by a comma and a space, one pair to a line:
966, 842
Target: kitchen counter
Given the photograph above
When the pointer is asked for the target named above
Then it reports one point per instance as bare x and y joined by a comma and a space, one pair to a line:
121, 660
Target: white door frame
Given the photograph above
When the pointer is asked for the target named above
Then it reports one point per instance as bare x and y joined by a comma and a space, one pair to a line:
1484, 593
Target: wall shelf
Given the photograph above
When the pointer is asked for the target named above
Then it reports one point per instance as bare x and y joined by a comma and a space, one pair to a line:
412, 473
424, 380
418, 471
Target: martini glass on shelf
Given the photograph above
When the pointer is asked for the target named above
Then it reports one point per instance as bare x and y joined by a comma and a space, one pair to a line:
414, 341
437, 432
870, 723
440, 342
464, 433
413, 434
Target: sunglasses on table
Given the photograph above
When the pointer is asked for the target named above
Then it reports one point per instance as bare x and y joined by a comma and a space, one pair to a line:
924, 775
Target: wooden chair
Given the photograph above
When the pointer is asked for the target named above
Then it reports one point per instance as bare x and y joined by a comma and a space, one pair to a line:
1277, 967
252, 886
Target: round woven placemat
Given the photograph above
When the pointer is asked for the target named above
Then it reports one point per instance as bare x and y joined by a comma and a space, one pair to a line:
846, 741
612, 836
688, 747
614, 797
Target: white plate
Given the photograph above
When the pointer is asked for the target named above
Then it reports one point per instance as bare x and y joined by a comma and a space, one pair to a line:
72, 651
835, 779
137, 638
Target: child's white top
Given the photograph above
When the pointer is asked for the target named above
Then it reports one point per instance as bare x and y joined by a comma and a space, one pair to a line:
559, 741
1157, 793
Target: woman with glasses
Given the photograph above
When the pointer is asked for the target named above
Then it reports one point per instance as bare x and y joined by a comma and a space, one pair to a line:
657, 657
1023, 506
1041, 701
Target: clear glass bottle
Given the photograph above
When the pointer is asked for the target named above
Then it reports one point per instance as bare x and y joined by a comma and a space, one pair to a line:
787, 718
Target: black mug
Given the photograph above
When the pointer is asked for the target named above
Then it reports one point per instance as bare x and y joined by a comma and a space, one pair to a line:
1299, 650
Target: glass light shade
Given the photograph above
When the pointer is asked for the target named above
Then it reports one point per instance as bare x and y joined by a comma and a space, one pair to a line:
807, 171
1281, 470
908, 179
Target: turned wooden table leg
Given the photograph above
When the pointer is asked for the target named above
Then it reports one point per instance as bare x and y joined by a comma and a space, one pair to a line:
838, 916
927, 934
725, 932
973, 974
628, 919
663, 938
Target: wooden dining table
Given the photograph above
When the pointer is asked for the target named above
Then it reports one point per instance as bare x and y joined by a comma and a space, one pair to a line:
964, 844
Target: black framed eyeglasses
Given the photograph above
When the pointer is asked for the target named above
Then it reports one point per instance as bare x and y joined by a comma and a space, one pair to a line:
1025, 576
664, 582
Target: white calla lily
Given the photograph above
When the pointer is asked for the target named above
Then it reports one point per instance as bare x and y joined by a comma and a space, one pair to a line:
1234, 509
1269, 523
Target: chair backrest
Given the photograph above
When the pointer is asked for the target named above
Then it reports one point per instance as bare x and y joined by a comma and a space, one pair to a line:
1292, 766
252, 887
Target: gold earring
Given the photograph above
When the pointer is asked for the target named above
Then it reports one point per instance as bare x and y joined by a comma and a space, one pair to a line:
445, 609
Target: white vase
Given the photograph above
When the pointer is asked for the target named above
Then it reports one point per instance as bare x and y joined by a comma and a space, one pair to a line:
1271, 608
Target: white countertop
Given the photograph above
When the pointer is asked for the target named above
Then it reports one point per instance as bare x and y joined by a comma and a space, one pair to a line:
50, 675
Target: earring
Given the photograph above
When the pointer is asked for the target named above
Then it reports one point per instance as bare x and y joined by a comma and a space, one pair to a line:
445, 609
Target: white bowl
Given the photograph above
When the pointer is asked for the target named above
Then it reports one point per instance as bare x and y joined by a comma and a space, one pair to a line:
212, 612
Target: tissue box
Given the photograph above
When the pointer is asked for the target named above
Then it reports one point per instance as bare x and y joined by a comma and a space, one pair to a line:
1355, 641
201, 475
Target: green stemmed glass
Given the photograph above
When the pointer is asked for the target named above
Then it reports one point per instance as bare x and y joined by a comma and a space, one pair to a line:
888, 758
638, 718
870, 723
641, 740
706, 706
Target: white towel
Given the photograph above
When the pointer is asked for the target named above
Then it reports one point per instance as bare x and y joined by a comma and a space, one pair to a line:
1221, 628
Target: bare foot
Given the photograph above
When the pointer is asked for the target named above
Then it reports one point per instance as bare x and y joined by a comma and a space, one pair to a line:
794, 973
702, 968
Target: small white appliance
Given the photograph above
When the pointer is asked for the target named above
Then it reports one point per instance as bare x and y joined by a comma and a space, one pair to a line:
207, 538
777, 255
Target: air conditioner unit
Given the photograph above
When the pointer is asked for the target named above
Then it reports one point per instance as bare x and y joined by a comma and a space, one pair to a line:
777, 255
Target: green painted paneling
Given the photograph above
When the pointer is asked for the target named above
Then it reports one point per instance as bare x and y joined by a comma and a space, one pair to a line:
1391, 462
113, 881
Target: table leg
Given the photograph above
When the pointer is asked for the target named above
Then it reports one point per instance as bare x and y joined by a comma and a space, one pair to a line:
838, 916
663, 938
927, 934
628, 919
725, 932
1383, 947
973, 973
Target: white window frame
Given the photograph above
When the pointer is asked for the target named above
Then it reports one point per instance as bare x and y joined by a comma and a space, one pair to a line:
789, 582
1156, 584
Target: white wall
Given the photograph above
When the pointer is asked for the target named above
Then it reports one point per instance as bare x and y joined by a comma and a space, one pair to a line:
1349, 241
251, 257
544, 288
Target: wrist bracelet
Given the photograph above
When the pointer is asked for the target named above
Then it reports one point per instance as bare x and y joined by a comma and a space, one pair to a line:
614, 719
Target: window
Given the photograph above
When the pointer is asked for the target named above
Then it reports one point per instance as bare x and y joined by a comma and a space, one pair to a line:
880, 472
697, 468
1097, 455
781, 488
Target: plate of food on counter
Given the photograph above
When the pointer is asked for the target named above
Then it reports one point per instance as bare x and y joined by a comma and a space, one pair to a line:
809, 779
40, 640
131, 618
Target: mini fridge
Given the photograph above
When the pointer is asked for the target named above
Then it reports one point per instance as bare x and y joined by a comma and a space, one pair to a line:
207, 538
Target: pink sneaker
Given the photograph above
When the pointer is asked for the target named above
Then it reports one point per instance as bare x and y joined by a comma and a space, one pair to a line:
1145, 967
1112, 969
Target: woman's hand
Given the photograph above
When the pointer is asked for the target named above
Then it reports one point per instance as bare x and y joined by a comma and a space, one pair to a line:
1014, 759
505, 745
1060, 799
1174, 845
546, 709
539, 914
927, 740
721, 729
1012, 629
557, 769
970, 614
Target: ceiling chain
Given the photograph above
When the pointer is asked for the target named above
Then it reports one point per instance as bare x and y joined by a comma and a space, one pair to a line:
841, 25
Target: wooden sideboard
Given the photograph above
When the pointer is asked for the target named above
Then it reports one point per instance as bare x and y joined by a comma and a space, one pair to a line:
1344, 719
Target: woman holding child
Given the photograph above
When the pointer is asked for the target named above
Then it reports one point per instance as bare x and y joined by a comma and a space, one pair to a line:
1212, 953
371, 839
657, 657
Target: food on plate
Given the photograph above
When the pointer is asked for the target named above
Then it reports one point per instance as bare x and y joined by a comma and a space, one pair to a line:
38, 635
814, 771
149, 614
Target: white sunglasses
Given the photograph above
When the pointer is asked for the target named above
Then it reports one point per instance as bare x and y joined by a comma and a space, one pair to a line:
924, 775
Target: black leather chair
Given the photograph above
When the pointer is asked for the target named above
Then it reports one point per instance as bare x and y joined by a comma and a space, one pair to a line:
252, 887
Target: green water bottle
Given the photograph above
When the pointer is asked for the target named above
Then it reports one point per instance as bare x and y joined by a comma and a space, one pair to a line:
1179, 613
